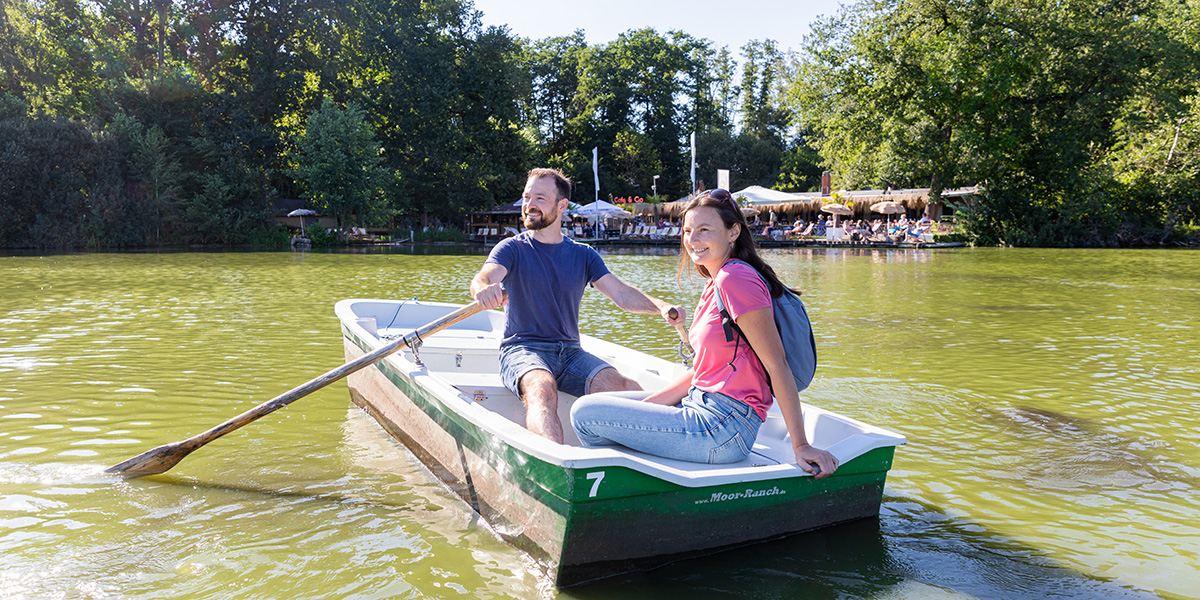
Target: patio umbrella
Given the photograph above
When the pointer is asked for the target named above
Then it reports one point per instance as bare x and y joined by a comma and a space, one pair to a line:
835, 210
301, 212
748, 211
889, 209
599, 209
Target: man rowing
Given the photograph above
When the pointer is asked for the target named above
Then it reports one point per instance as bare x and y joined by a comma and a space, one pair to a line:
545, 275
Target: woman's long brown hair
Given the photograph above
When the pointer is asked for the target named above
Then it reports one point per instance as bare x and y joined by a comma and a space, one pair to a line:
743, 247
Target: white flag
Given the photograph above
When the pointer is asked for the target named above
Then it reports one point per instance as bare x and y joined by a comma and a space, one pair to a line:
693, 163
596, 170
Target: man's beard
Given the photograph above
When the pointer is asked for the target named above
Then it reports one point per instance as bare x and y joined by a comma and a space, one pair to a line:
542, 221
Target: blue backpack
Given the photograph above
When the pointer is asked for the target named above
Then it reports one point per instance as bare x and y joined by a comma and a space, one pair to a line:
799, 344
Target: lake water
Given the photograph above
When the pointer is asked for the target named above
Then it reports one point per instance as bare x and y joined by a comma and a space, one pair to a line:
1049, 399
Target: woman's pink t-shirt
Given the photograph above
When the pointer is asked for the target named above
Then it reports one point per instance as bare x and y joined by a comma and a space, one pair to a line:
743, 291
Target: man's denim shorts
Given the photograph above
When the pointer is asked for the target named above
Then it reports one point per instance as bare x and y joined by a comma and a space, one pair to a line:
572, 368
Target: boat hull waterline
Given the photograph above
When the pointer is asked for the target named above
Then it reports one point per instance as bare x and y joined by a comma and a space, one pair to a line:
586, 513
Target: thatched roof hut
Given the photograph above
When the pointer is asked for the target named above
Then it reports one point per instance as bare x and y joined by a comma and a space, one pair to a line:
808, 206
671, 211
913, 200
859, 202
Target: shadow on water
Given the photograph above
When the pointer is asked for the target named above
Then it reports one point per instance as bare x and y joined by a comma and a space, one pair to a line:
913, 550
1074, 452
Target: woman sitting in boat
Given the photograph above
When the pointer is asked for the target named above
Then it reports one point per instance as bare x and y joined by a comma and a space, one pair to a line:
712, 413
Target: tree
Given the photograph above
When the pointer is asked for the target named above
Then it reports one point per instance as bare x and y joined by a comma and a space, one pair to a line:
655, 85
154, 170
1020, 97
635, 158
47, 165
1156, 155
552, 105
46, 56
442, 93
801, 169
337, 161
762, 112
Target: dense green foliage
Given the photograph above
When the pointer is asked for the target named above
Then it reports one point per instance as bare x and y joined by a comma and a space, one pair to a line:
179, 121
182, 122
1063, 110
337, 163
638, 98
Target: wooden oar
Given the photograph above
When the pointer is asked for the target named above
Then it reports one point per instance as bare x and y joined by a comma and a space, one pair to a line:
162, 458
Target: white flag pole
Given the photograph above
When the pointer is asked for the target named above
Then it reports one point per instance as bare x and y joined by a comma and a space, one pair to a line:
693, 163
596, 169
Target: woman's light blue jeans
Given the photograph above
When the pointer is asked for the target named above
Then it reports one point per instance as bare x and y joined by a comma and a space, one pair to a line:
706, 427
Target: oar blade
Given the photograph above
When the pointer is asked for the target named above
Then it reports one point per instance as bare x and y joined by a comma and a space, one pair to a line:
151, 462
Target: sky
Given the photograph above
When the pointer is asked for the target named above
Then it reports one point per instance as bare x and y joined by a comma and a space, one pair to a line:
727, 23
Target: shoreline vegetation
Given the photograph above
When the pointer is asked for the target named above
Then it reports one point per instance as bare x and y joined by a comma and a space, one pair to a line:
172, 124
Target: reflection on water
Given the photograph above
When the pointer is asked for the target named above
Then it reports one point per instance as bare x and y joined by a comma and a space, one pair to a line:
1047, 396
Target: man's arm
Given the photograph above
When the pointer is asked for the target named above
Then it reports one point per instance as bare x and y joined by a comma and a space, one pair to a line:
634, 300
485, 286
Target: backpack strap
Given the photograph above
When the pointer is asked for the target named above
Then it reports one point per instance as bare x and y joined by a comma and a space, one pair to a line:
727, 323
733, 333
729, 326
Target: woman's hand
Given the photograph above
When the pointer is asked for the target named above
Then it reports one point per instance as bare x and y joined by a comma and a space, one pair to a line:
816, 461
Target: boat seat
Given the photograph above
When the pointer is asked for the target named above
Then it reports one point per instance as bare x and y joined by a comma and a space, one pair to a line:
471, 384
450, 339
488, 390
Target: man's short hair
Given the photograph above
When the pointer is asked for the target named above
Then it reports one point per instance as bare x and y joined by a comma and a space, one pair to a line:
562, 185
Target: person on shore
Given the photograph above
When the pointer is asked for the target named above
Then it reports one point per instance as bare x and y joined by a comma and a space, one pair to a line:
853, 231
878, 231
545, 276
915, 230
713, 412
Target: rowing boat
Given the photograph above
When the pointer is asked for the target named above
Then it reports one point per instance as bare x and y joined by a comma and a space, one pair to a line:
586, 513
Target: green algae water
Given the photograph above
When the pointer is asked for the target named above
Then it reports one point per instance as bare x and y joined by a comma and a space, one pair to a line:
1048, 397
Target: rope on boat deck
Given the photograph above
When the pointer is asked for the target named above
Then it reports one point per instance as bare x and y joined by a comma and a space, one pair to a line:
400, 306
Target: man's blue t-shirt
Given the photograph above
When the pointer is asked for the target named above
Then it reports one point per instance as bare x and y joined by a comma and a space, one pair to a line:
545, 283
